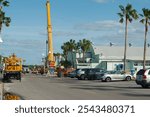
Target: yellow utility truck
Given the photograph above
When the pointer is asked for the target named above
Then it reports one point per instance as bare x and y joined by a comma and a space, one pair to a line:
12, 68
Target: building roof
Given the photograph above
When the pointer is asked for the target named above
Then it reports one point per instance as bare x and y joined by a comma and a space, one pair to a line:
117, 52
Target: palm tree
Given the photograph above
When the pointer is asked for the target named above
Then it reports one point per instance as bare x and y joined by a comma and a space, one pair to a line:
65, 49
3, 19
146, 21
128, 14
71, 47
85, 46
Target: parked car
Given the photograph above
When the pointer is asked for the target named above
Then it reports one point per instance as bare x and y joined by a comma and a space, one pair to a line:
115, 75
73, 74
94, 73
67, 71
81, 73
143, 78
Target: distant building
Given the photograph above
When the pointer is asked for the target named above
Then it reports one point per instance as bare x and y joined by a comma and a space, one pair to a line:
25, 69
111, 58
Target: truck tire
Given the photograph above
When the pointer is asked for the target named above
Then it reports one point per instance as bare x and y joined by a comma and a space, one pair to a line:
5, 78
18, 76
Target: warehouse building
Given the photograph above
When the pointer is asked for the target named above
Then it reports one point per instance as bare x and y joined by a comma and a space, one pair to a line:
111, 58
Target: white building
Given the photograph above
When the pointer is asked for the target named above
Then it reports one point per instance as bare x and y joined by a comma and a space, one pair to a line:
111, 58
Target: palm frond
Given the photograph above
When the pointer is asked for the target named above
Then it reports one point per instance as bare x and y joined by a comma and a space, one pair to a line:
130, 20
134, 14
7, 19
141, 15
6, 3
145, 12
120, 15
121, 20
122, 8
128, 8
142, 21
1, 1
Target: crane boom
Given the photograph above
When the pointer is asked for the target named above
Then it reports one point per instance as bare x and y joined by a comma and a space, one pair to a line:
50, 41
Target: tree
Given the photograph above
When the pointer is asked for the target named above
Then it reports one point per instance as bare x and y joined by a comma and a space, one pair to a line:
128, 14
85, 46
71, 47
65, 49
146, 21
4, 19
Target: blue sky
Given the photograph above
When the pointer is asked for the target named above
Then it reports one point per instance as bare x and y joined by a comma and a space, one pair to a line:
95, 20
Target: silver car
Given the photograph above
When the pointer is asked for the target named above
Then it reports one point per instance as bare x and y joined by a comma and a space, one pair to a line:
72, 74
115, 75
143, 78
81, 73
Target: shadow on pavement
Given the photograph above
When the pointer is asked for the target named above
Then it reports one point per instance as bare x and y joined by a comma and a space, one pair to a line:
136, 95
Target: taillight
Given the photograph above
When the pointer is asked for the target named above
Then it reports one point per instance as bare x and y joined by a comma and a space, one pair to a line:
144, 77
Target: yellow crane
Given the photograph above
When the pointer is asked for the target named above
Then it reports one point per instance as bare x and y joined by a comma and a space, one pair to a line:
51, 61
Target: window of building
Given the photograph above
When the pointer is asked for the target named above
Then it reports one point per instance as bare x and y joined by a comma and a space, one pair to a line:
135, 64
147, 63
140, 64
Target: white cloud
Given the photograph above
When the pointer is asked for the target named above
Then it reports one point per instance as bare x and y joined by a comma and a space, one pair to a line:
103, 32
100, 25
30, 50
64, 33
103, 1
67, 33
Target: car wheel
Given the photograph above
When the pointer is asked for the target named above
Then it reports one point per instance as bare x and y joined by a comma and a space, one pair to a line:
128, 78
79, 79
82, 77
93, 78
144, 86
108, 79
88, 78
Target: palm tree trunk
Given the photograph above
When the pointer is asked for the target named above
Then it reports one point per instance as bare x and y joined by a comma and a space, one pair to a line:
145, 41
66, 58
83, 57
125, 47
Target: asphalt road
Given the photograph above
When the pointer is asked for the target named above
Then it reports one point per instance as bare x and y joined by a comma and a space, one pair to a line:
37, 87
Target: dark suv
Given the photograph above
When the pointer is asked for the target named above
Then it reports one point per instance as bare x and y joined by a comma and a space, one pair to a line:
94, 74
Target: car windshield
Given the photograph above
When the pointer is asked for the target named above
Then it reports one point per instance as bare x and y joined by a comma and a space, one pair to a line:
84, 69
